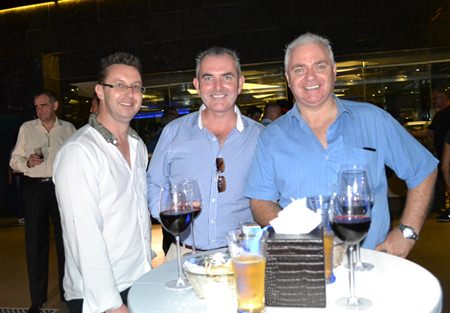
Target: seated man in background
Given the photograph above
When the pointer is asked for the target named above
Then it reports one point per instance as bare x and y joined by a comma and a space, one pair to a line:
301, 153
190, 147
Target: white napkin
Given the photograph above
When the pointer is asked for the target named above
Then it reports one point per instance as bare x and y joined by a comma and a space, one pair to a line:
296, 218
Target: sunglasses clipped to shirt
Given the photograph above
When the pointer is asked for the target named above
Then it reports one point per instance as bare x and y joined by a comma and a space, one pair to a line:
221, 181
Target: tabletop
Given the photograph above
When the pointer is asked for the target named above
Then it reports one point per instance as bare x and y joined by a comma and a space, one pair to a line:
394, 285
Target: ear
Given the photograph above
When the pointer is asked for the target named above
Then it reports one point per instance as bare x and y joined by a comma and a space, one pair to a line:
99, 92
287, 79
196, 85
55, 105
241, 83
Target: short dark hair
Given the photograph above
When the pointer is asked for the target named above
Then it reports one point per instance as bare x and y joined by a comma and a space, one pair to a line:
217, 51
50, 94
124, 58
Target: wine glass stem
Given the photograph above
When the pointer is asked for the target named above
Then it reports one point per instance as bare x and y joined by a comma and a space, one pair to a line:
358, 256
351, 273
193, 240
180, 281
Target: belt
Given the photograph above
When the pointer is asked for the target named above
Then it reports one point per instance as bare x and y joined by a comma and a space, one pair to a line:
40, 180
197, 249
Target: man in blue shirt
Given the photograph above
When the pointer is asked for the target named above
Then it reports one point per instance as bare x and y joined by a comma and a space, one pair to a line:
214, 146
300, 154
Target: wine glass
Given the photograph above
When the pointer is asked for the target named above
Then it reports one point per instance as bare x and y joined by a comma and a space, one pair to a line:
194, 199
175, 215
350, 222
363, 178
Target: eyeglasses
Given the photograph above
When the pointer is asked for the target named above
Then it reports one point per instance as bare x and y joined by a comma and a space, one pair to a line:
221, 181
124, 88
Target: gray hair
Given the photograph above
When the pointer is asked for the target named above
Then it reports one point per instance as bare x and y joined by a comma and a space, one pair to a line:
217, 51
307, 38
50, 94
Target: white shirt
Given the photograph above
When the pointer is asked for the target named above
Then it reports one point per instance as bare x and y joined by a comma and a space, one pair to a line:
32, 135
104, 216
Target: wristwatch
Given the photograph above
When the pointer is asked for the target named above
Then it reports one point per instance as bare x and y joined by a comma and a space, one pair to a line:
408, 232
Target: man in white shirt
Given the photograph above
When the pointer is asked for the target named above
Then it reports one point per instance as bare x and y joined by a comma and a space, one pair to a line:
36, 147
101, 190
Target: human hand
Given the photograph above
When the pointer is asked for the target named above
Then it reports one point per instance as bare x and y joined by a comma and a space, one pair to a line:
122, 309
396, 244
34, 160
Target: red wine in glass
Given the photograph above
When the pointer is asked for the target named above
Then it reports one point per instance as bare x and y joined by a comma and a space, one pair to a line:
176, 222
351, 228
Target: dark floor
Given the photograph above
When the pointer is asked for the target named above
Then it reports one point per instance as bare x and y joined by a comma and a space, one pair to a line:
432, 252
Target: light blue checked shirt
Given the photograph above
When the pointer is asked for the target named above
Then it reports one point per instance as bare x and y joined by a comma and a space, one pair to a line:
290, 162
188, 150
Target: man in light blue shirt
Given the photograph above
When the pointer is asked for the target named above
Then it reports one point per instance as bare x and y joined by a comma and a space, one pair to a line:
300, 154
215, 144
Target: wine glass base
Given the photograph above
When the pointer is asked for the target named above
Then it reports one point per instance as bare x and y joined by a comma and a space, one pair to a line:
178, 285
364, 267
354, 303
361, 267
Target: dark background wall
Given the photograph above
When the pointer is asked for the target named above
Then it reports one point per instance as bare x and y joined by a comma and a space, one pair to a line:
56, 44
167, 34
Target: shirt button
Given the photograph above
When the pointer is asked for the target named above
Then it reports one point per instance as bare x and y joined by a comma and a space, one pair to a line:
327, 158
213, 200
212, 221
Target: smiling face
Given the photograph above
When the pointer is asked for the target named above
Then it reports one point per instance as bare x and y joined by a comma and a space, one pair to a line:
311, 75
218, 83
117, 105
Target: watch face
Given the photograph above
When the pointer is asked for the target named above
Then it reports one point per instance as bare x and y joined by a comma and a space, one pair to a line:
408, 233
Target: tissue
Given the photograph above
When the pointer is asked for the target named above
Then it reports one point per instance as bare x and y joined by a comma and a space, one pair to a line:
296, 218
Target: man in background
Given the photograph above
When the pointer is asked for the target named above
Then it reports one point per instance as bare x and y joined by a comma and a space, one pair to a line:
102, 193
37, 144
301, 153
214, 146
272, 111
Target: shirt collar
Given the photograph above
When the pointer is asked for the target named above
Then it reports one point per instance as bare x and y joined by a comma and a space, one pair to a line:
109, 137
239, 123
56, 124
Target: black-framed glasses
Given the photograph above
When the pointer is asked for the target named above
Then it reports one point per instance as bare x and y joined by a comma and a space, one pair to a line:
221, 181
124, 88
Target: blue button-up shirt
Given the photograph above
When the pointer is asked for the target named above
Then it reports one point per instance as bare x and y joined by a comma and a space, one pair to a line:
186, 149
290, 162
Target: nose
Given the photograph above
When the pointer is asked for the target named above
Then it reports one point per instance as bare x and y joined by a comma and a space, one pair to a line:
217, 84
129, 90
310, 74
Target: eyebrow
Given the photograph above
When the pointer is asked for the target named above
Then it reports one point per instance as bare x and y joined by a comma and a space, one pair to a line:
316, 63
41, 104
224, 74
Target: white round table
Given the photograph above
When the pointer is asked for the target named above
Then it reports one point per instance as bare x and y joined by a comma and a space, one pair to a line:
394, 285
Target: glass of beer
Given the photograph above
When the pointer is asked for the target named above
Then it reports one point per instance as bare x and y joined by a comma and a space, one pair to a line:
247, 250
321, 204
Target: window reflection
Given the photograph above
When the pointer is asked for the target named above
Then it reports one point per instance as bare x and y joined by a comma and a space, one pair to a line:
398, 81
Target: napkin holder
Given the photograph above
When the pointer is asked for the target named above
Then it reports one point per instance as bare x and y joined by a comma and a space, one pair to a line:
295, 275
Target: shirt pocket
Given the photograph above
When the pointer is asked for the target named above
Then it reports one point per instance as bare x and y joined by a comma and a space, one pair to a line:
366, 157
